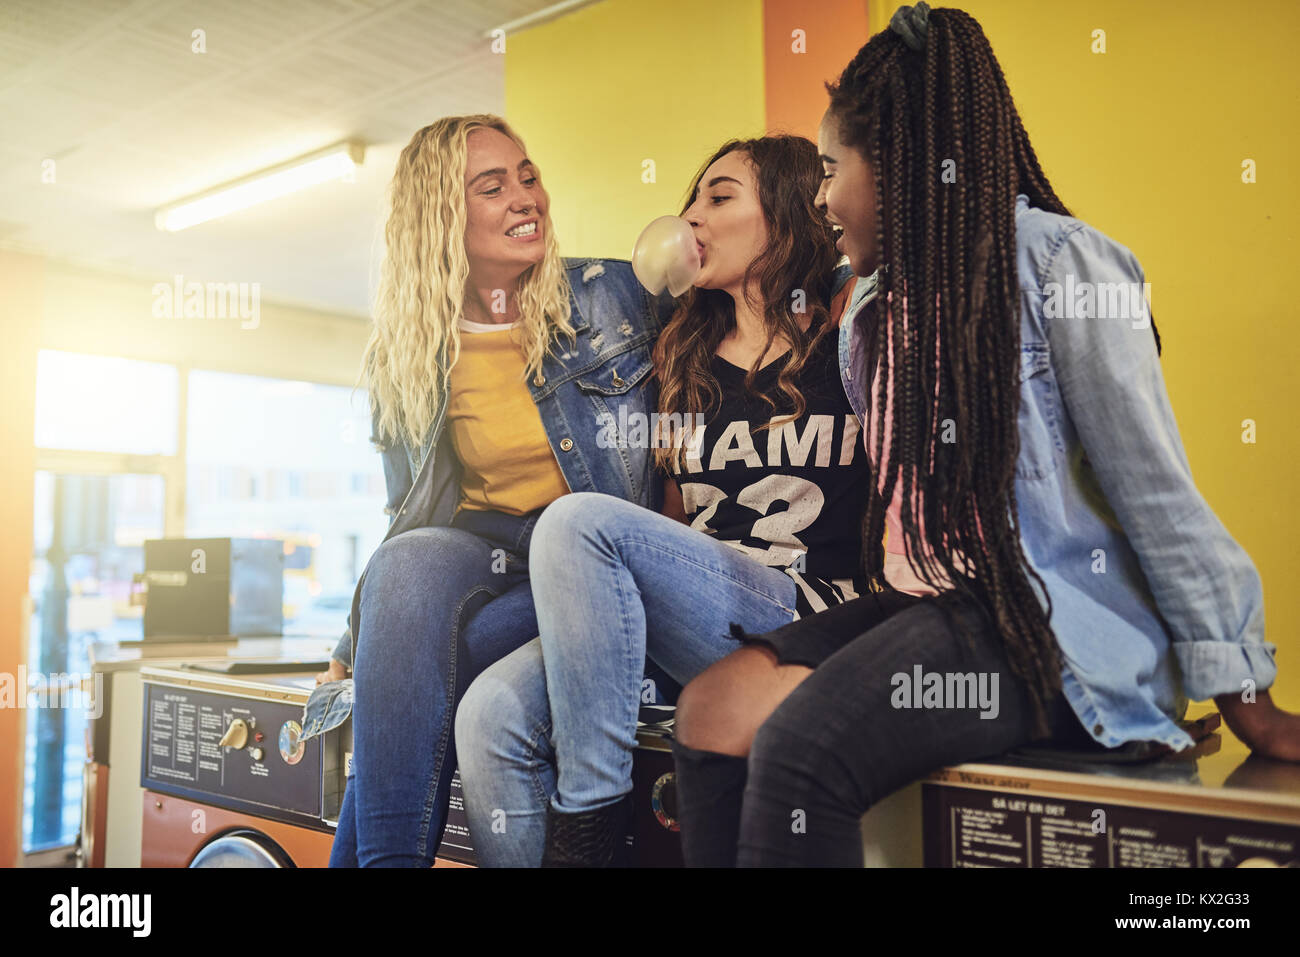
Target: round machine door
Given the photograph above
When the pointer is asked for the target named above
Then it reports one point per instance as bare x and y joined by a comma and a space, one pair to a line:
242, 848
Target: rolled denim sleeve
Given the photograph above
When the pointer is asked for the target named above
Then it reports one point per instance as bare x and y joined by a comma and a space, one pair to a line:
1205, 585
328, 707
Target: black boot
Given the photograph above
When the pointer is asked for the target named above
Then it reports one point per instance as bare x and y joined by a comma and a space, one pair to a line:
588, 838
710, 790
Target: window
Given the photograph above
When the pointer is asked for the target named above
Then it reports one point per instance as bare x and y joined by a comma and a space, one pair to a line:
300, 468
263, 458
89, 538
103, 404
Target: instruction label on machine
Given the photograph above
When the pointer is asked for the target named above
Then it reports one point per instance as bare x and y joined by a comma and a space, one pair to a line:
182, 750
184, 739
966, 827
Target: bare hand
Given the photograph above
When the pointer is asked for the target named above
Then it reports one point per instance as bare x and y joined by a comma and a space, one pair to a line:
1262, 726
336, 672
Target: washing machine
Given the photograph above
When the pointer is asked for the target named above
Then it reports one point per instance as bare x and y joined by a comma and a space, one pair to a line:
227, 782
182, 833
1218, 806
112, 799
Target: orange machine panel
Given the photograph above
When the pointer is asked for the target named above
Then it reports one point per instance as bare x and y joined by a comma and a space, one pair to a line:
173, 833
169, 838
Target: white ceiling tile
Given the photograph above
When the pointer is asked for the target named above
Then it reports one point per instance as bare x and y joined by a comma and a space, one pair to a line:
112, 92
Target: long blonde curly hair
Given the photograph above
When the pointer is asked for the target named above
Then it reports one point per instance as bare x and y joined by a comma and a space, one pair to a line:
421, 290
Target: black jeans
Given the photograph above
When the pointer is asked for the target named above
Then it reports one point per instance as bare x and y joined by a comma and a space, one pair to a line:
856, 730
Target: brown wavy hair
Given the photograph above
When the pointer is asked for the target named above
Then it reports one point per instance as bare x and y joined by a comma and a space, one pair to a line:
800, 256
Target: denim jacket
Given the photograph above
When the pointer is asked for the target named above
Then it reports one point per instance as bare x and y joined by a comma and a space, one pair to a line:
1136, 563
606, 377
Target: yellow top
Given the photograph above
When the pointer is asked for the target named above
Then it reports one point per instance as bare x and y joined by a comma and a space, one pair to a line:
496, 429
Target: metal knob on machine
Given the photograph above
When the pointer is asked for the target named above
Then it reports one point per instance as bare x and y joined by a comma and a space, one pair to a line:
291, 748
236, 735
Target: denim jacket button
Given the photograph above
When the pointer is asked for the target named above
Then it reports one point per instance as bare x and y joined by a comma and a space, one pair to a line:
566, 444
1097, 729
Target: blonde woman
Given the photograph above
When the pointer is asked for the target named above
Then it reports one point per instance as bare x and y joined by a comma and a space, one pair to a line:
492, 366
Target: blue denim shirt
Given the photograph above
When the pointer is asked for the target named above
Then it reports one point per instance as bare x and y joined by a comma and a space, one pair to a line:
1152, 600
605, 377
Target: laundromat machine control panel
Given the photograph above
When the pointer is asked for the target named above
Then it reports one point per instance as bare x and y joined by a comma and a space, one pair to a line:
234, 742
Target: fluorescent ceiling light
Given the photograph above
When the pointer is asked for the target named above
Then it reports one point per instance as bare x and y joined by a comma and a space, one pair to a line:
553, 12
334, 162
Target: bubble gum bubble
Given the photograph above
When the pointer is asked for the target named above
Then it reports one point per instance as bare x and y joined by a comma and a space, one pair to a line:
666, 255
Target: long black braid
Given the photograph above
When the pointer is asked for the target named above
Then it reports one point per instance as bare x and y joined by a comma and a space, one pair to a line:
947, 309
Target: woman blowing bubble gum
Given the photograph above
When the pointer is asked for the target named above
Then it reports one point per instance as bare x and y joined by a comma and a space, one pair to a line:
1014, 444
770, 481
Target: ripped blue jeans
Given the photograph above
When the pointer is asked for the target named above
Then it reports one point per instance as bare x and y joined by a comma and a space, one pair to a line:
555, 721
438, 605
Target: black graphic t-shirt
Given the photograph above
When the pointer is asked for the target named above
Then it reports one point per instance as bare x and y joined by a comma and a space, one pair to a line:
790, 496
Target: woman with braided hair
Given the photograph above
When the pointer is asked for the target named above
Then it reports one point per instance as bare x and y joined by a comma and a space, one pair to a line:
1042, 533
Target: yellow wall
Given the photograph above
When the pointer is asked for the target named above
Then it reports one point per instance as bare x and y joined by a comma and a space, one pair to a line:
596, 93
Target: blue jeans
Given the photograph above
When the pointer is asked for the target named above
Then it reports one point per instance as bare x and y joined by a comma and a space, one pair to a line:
555, 721
438, 605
